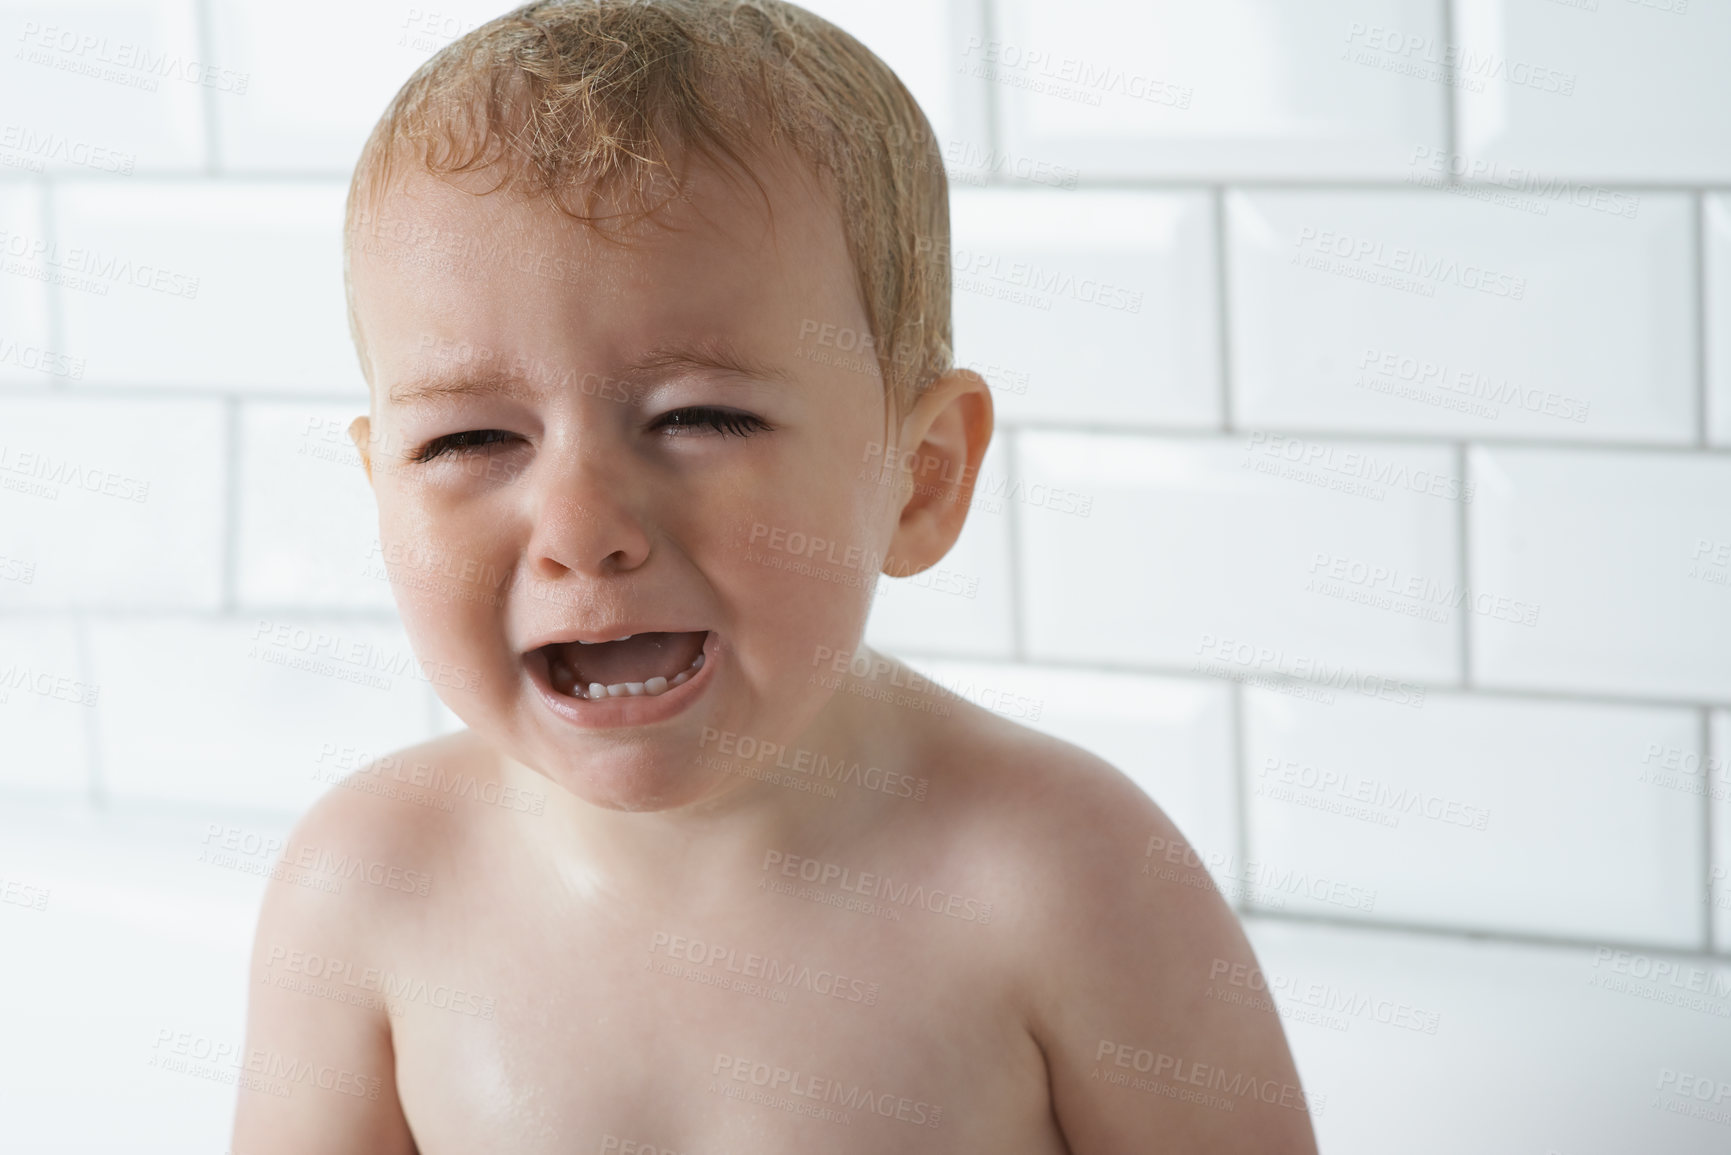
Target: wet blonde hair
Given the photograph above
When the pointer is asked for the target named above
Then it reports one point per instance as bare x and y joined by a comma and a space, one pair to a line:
573, 100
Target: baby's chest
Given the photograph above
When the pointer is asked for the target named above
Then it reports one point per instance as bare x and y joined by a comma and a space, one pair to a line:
668, 1038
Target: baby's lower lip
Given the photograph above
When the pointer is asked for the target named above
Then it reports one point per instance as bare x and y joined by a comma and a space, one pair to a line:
629, 708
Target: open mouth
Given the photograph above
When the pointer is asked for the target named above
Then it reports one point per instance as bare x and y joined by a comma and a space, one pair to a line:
638, 665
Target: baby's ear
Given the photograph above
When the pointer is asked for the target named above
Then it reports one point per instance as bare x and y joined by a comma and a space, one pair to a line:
944, 436
360, 432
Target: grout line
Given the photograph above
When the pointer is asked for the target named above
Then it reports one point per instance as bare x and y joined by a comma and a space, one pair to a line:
1705, 741
212, 137
1451, 93
1222, 310
1240, 781
988, 14
1463, 562
1699, 270
56, 302
96, 783
1501, 937
1013, 532
1395, 181
1278, 681
231, 508
28, 390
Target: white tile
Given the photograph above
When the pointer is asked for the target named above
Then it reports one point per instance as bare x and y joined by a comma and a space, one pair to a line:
1088, 306
308, 528
1519, 815
962, 605
921, 40
1625, 558
1531, 1053
1623, 90
1170, 736
1418, 312
137, 937
213, 711
1233, 88
27, 353
1712, 777
1191, 551
45, 704
314, 96
110, 87
214, 284
1716, 267
111, 503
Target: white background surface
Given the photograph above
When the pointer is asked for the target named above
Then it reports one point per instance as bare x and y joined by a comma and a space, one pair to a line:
1178, 629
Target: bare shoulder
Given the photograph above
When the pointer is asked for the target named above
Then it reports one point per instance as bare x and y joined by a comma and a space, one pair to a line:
1115, 963
355, 870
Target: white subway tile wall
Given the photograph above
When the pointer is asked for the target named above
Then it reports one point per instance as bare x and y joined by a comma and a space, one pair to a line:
1361, 490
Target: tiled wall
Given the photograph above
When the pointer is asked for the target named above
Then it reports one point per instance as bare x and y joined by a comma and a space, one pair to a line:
1363, 371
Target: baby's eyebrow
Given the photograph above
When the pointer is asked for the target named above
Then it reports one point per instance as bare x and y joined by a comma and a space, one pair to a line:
430, 386
709, 354
714, 354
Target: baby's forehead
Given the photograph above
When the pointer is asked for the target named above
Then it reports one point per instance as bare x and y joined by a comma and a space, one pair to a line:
776, 206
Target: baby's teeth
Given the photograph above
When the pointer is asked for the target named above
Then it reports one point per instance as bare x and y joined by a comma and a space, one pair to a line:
698, 664
655, 685
680, 678
597, 690
632, 688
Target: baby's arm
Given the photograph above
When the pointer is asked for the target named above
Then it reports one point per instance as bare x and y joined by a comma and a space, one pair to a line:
1139, 1057
333, 1058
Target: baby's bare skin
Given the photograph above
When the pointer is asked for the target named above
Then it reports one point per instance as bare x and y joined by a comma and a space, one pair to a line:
522, 973
573, 1019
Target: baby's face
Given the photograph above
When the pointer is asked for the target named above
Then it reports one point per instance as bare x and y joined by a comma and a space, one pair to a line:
572, 441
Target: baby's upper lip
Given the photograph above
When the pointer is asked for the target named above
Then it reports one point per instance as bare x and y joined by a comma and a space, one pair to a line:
610, 633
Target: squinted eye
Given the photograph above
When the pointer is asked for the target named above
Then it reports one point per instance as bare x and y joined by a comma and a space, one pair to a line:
468, 439
728, 422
